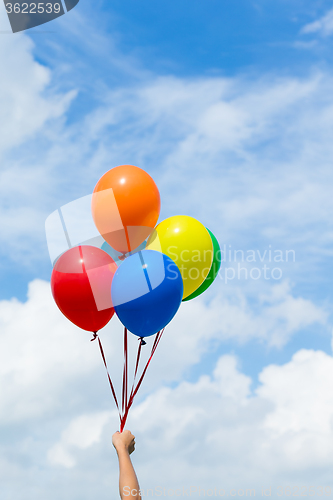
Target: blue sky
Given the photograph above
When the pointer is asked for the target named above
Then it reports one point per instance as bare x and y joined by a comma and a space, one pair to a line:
192, 38
228, 105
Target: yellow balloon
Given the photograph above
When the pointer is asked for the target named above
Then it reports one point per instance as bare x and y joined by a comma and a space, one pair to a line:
187, 242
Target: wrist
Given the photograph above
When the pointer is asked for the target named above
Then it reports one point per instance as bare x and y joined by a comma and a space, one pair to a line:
122, 449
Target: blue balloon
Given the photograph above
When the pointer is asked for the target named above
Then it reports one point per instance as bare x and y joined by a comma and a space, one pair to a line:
147, 290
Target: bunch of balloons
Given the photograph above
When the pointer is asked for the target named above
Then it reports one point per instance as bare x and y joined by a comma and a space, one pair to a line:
159, 266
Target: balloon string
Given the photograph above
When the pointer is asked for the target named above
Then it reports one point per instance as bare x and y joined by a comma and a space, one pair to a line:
133, 394
124, 391
130, 402
127, 402
127, 239
107, 371
137, 363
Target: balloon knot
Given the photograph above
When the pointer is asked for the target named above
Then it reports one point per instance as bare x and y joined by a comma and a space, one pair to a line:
142, 341
122, 257
94, 337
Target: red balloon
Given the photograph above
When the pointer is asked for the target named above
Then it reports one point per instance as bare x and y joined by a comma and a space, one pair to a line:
81, 286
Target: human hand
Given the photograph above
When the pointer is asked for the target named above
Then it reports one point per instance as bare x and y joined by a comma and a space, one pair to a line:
124, 441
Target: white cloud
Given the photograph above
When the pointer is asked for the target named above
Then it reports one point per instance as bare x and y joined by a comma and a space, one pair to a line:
323, 26
272, 318
299, 407
32, 110
27, 100
57, 410
214, 433
251, 159
43, 356
81, 433
235, 153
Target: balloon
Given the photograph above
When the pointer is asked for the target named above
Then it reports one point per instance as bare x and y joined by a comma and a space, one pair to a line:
146, 291
80, 283
125, 207
215, 267
186, 241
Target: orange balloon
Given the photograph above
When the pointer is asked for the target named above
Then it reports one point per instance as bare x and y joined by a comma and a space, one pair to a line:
125, 207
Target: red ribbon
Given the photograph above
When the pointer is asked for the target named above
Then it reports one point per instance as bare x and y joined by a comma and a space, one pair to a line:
107, 371
127, 402
124, 391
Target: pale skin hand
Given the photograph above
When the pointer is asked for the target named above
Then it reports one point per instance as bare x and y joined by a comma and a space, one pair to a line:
128, 483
